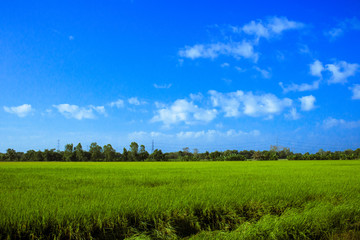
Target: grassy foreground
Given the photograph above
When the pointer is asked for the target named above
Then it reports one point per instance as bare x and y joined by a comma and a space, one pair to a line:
196, 200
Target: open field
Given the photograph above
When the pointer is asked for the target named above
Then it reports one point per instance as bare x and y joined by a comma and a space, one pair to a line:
197, 200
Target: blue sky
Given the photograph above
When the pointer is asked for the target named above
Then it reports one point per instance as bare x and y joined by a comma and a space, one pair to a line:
211, 75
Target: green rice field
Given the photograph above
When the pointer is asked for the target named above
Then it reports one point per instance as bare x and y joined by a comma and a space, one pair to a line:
180, 200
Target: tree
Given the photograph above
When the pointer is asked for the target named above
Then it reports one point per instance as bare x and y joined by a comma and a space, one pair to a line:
29, 155
186, 150
125, 155
143, 154
79, 153
38, 156
134, 151
257, 155
96, 152
109, 153
215, 155
69, 152
157, 155
11, 155
51, 155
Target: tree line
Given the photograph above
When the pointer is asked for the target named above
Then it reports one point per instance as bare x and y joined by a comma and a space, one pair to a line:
137, 153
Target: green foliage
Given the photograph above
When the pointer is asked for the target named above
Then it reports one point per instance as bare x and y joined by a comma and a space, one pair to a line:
80, 154
143, 154
11, 155
51, 155
69, 154
234, 157
109, 153
96, 152
134, 151
139, 154
125, 155
157, 155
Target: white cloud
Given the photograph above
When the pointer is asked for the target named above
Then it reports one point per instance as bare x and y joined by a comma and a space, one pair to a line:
256, 28
119, 103
335, 32
212, 134
356, 91
183, 111
99, 109
206, 135
280, 24
342, 27
240, 69
74, 111
307, 103
141, 135
300, 87
293, 114
71, 38
264, 73
340, 71
238, 103
136, 101
227, 81
196, 97
304, 49
237, 50
225, 65
332, 122
164, 86
242, 49
316, 68
20, 111
273, 26
160, 104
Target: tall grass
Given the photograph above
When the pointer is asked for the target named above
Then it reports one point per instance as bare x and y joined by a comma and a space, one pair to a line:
243, 200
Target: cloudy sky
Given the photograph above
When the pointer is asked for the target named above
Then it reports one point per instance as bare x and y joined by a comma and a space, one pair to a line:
211, 75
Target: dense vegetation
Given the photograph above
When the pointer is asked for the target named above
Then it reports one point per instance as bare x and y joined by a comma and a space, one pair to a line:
200, 200
135, 153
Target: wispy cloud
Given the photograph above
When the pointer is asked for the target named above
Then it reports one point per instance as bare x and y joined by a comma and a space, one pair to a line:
237, 50
333, 122
316, 69
271, 27
119, 103
264, 73
20, 111
215, 134
355, 91
209, 134
300, 87
164, 86
239, 69
293, 114
307, 103
225, 65
135, 101
342, 27
79, 113
196, 97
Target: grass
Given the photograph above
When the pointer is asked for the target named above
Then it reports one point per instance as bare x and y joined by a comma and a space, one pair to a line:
197, 200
